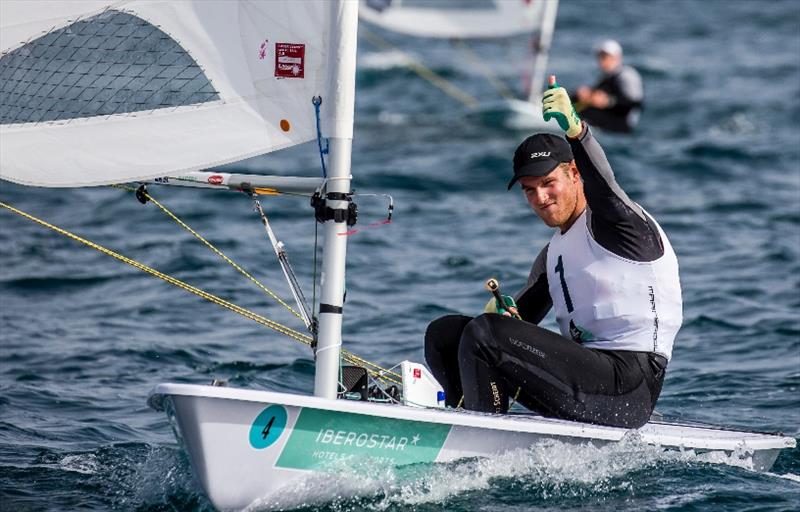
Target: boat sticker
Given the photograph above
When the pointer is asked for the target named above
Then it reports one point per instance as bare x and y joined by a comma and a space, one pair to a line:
321, 437
289, 60
268, 427
215, 179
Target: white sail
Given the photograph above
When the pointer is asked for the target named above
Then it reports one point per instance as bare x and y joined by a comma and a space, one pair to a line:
454, 19
106, 92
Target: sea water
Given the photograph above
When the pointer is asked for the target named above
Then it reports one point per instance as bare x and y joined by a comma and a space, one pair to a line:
83, 338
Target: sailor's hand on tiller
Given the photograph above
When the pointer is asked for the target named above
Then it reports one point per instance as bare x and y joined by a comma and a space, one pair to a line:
508, 310
511, 311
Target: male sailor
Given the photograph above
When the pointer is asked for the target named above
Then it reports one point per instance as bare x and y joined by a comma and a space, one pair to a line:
611, 276
614, 103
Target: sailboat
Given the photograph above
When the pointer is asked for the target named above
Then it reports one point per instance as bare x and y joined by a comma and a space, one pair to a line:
482, 20
157, 92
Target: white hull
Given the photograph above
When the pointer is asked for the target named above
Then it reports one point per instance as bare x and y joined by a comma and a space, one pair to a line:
520, 115
248, 447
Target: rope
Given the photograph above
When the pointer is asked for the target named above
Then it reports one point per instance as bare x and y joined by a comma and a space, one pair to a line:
501, 88
378, 372
214, 249
423, 71
317, 101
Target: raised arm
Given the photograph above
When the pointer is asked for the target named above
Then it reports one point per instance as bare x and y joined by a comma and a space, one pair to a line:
617, 223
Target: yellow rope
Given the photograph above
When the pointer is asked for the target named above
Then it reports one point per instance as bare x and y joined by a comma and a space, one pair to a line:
296, 335
501, 88
423, 71
214, 249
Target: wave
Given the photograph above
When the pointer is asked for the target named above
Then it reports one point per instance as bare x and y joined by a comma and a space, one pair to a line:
548, 472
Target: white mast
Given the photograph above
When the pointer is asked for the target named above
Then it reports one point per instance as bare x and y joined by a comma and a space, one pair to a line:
543, 49
338, 110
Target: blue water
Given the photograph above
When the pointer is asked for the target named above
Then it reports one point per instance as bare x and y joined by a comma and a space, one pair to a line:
83, 338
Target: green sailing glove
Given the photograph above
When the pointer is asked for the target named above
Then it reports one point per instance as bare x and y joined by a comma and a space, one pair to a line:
493, 307
556, 105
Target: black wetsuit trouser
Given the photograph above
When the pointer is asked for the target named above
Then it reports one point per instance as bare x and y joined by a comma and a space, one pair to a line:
493, 357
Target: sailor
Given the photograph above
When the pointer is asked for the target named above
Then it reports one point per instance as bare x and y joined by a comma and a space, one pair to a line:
614, 103
609, 273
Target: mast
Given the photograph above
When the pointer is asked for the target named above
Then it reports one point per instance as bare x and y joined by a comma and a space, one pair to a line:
338, 110
542, 50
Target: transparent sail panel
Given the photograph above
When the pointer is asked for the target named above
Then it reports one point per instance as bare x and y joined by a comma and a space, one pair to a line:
112, 63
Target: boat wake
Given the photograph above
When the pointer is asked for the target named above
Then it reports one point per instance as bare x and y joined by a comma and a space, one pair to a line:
549, 470
139, 476
786, 476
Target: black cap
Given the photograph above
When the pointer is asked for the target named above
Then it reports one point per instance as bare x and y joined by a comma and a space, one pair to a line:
538, 155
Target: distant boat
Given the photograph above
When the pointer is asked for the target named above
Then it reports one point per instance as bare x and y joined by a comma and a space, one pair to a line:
476, 20
98, 93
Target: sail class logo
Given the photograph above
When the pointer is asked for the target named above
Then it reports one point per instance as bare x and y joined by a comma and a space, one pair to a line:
262, 50
290, 60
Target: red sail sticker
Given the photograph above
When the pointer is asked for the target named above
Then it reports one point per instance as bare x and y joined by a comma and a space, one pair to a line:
290, 60
215, 179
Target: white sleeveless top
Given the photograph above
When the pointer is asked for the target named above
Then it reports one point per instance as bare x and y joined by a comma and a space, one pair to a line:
605, 301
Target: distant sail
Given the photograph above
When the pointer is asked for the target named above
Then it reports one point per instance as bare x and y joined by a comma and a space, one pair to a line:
100, 92
454, 19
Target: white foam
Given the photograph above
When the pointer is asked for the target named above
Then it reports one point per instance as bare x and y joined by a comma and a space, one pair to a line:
384, 60
735, 124
393, 118
85, 463
786, 476
160, 473
553, 467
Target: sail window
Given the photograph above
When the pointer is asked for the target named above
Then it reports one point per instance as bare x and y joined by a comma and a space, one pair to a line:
112, 63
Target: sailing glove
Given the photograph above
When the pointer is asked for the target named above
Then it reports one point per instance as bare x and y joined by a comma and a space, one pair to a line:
556, 105
492, 306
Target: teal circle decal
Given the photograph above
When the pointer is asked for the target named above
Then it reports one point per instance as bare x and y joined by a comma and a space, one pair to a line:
268, 426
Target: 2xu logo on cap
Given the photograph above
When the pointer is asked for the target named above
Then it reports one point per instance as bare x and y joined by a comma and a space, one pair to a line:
540, 154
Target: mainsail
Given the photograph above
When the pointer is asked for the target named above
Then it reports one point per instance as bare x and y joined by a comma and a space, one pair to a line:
454, 19
100, 92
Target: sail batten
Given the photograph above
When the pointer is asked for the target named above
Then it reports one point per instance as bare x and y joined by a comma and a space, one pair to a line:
111, 92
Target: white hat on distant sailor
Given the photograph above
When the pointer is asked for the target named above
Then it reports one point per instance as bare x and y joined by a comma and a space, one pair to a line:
610, 47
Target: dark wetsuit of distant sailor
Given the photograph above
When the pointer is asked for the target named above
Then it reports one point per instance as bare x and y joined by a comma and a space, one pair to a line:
624, 88
612, 279
615, 102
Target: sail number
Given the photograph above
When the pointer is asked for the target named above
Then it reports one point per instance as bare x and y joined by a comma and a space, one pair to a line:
268, 426
265, 432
